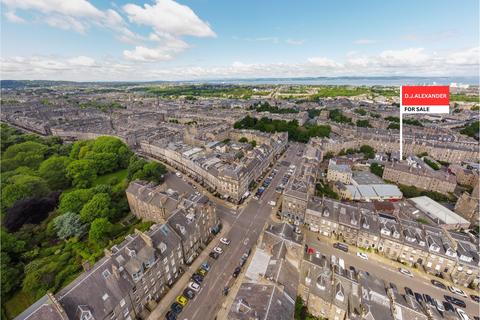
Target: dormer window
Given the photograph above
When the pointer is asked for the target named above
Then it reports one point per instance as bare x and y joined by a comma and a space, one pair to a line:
320, 283
137, 275
163, 247
450, 252
466, 258
86, 315
433, 247
326, 213
130, 252
106, 273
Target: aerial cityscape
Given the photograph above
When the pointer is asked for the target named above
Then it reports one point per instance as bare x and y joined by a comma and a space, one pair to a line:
204, 160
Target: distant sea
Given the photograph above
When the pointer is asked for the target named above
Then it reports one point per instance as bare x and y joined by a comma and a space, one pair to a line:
354, 81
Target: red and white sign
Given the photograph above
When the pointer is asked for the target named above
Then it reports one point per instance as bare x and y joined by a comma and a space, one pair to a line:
425, 99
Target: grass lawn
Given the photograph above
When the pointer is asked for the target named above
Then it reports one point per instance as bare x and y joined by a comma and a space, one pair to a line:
105, 179
19, 302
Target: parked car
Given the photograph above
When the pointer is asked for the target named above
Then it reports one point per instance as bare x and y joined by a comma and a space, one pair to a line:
438, 284
457, 291
362, 255
205, 266
194, 286
429, 300
405, 272
408, 291
171, 315
439, 305
341, 246
475, 298
455, 301
236, 272
214, 255
176, 308
448, 306
243, 259
272, 203
419, 297
218, 250
197, 278
182, 300
225, 241
189, 293
462, 314
202, 272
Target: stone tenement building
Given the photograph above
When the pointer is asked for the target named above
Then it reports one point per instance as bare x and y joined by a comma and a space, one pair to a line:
334, 292
438, 251
468, 205
156, 203
423, 178
224, 169
134, 275
437, 147
300, 186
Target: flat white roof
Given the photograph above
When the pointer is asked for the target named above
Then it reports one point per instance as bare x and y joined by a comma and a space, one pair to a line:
436, 211
258, 266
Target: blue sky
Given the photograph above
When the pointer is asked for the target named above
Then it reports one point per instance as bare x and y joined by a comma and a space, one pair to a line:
204, 39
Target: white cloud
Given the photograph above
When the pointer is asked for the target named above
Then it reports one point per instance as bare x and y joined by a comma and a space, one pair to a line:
166, 49
81, 61
408, 62
168, 20
364, 41
66, 23
466, 57
12, 17
78, 8
389, 58
169, 17
323, 62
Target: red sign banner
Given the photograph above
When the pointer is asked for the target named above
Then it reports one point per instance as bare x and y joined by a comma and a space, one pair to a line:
425, 99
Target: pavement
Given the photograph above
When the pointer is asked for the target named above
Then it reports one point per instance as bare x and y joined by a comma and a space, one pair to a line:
177, 289
246, 225
387, 270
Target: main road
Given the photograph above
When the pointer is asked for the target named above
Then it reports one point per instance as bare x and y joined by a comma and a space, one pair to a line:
246, 225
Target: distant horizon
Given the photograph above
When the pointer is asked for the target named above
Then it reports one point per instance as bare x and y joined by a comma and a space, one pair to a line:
309, 80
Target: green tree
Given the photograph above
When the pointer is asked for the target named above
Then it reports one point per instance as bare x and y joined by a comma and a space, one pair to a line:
11, 276
21, 187
472, 130
28, 154
82, 173
105, 162
54, 172
243, 140
98, 207
367, 151
253, 143
376, 169
73, 201
136, 164
76, 147
115, 146
68, 225
363, 124
151, 171
99, 230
